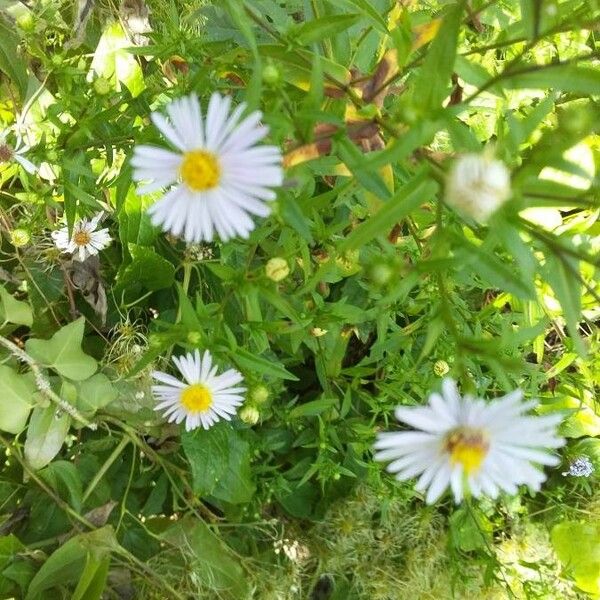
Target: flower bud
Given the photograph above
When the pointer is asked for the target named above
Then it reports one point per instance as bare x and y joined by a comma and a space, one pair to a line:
194, 337
259, 394
102, 86
271, 74
19, 237
441, 368
249, 415
26, 22
477, 185
381, 273
318, 332
277, 269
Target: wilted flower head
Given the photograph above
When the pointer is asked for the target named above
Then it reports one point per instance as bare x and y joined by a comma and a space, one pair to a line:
16, 152
477, 185
218, 177
85, 241
470, 444
581, 466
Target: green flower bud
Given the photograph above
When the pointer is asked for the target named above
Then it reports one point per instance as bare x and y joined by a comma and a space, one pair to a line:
19, 237
381, 274
441, 368
26, 22
258, 394
271, 74
194, 337
249, 415
102, 86
277, 269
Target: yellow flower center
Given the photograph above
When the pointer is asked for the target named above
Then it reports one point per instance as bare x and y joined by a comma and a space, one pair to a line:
82, 238
468, 447
200, 170
196, 398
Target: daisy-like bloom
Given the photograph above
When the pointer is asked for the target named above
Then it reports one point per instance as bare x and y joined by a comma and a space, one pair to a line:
477, 185
471, 445
85, 241
16, 153
204, 397
217, 177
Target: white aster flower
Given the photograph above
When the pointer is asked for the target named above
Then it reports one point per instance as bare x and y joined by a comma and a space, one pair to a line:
204, 398
477, 185
16, 153
218, 177
467, 443
85, 241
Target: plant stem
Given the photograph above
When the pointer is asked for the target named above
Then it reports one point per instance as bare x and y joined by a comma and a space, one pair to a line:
43, 384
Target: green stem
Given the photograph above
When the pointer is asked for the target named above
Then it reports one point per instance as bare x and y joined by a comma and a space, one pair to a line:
104, 468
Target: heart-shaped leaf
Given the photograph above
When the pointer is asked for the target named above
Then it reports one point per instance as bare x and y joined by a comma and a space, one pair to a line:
62, 352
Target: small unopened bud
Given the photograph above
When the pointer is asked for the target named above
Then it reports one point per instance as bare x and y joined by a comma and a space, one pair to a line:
26, 22
271, 74
102, 86
318, 332
477, 185
258, 394
194, 337
440, 368
249, 415
381, 274
277, 269
19, 237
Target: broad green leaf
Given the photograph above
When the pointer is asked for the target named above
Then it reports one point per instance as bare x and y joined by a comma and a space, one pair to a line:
433, 82
530, 17
113, 61
321, 28
148, 270
566, 78
408, 198
16, 399
92, 582
63, 477
66, 564
95, 393
211, 559
62, 352
219, 460
578, 548
263, 366
313, 408
45, 435
14, 311
10, 62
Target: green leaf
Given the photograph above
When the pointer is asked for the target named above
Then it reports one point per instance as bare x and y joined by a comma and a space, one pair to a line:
16, 392
62, 352
63, 477
95, 393
313, 408
567, 289
10, 62
212, 561
566, 78
92, 582
492, 269
263, 366
45, 435
410, 196
113, 61
66, 564
323, 27
433, 82
577, 547
368, 10
148, 270
219, 460
14, 311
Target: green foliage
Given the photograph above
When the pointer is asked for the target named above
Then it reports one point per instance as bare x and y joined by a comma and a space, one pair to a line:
387, 289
